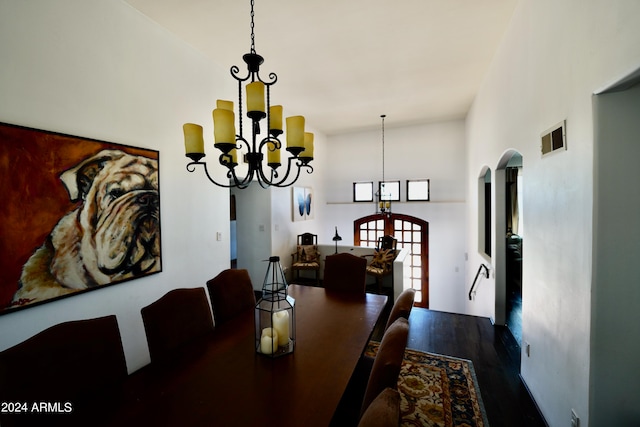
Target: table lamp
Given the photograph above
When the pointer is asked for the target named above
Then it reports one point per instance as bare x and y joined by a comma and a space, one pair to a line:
337, 238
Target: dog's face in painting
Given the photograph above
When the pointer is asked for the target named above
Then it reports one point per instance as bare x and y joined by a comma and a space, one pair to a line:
112, 235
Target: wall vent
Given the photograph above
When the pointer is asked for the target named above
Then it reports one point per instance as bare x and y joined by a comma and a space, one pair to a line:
554, 139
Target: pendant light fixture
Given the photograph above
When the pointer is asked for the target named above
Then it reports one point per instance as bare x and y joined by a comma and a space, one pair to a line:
234, 147
383, 196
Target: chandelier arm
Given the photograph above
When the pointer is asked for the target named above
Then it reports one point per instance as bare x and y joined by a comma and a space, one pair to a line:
241, 184
270, 141
273, 78
240, 140
258, 166
281, 182
235, 73
191, 167
299, 165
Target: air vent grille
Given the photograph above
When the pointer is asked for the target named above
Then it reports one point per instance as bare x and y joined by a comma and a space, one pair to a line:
554, 139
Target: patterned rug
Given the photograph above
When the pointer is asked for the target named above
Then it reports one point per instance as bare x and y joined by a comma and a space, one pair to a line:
437, 390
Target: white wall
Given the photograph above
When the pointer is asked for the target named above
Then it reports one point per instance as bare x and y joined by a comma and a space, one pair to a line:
265, 225
616, 318
553, 57
434, 151
100, 69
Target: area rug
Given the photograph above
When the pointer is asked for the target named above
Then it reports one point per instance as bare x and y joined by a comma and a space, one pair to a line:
437, 390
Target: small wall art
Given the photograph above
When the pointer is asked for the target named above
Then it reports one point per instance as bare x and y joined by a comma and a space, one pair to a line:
302, 203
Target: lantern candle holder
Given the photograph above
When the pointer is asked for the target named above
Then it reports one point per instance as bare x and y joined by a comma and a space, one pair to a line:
275, 322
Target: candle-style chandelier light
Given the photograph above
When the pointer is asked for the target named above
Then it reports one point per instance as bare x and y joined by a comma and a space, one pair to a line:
234, 147
383, 195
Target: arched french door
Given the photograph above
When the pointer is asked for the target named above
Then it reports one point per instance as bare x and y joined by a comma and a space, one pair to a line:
411, 233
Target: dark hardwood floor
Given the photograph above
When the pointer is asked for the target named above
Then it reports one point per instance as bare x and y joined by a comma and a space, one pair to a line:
495, 356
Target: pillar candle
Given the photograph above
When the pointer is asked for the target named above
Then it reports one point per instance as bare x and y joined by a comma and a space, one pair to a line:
268, 341
308, 145
193, 139
281, 325
255, 96
224, 127
295, 131
224, 105
273, 156
275, 117
234, 156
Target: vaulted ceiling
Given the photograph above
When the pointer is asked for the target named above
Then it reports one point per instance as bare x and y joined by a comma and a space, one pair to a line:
343, 63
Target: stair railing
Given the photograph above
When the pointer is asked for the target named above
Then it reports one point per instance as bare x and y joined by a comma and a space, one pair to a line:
486, 274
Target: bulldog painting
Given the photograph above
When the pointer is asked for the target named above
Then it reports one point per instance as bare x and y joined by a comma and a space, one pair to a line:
112, 235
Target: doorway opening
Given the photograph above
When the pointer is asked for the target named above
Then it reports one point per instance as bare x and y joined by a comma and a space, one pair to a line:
509, 242
411, 233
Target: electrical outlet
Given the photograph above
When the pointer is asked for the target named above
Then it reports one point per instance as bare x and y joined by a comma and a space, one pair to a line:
575, 421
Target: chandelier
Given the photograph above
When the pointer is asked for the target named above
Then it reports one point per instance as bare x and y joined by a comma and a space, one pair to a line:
235, 148
383, 196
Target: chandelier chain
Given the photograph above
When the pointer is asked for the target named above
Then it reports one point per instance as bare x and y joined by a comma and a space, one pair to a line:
253, 37
383, 116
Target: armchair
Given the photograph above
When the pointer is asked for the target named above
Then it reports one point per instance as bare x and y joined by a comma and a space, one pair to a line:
381, 264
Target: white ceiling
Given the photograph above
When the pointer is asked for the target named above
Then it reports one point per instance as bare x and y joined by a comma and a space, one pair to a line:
343, 63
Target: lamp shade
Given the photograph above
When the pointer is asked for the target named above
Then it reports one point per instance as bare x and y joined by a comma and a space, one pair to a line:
224, 105
295, 132
255, 97
273, 155
308, 145
224, 128
193, 139
275, 117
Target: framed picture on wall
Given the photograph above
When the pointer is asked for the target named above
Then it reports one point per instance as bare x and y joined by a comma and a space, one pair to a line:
302, 207
77, 215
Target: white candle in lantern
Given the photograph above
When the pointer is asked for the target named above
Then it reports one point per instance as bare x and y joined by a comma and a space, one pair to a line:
281, 325
268, 341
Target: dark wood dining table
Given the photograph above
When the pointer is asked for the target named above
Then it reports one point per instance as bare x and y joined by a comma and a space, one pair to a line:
224, 382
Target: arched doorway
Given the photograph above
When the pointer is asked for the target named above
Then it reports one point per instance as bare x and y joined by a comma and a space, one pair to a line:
509, 242
411, 233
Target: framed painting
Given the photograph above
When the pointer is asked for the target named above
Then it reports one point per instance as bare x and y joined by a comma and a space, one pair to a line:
302, 207
78, 214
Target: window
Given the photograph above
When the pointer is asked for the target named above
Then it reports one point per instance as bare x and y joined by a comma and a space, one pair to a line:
418, 190
484, 212
363, 191
389, 190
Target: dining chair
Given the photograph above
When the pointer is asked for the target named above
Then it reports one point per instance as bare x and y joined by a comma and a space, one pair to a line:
384, 411
80, 361
388, 361
179, 317
306, 257
402, 306
231, 292
345, 272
